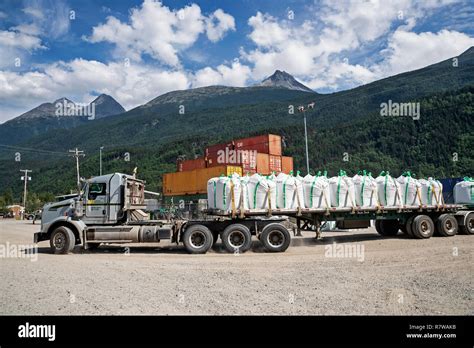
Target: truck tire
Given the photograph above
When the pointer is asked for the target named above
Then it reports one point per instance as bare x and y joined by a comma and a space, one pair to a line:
389, 228
468, 227
62, 240
377, 226
198, 239
446, 225
275, 237
409, 226
237, 238
423, 227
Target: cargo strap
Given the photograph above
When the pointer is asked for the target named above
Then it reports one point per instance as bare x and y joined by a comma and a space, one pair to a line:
418, 195
326, 202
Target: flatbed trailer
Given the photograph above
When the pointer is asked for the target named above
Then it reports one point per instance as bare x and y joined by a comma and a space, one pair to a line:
109, 210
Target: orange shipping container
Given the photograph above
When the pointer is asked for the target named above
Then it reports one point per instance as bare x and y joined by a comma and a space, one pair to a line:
197, 163
194, 181
275, 163
286, 164
263, 163
268, 143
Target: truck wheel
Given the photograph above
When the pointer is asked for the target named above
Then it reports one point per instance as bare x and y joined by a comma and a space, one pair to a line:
237, 237
388, 228
197, 239
446, 225
377, 226
468, 228
62, 240
423, 226
275, 237
409, 226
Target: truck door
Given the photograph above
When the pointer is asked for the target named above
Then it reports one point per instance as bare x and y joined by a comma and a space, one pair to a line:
96, 202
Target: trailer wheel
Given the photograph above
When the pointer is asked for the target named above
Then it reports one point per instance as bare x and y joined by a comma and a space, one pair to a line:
62, 240
237, 238
468, 227
275, 237
388, 228
446, 225
377, 226
423, 226
409, 226
197, 239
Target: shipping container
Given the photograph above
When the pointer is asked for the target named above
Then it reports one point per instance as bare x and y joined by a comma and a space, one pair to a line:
263, 163
194, 181
286, 164
275, 163
214, 149
268, 143
198, 163
246, 159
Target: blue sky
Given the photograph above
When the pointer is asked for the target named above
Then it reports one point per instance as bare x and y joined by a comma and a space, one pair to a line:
137, 50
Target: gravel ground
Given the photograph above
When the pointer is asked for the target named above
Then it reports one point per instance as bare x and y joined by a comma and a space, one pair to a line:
391, 276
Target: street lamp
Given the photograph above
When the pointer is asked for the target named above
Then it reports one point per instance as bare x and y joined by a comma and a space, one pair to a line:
100, 160
302, 109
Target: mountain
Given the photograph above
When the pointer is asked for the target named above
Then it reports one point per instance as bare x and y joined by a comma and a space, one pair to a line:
156, 133
282, 79
50, 116
106, 106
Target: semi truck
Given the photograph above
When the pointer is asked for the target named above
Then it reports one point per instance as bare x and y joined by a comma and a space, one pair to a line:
109, 209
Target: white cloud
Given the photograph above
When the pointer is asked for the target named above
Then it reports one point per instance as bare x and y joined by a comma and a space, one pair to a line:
160, 32
218, 24
235, 75
315, 51
34, 12
410, 51
131, 85
19, 39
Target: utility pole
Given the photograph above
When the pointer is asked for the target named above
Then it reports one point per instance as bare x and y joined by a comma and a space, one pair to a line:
25, 178
77, 153
100, 159
303, 110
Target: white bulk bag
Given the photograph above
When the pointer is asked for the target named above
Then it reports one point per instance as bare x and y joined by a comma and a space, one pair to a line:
262, 192
289, 192
388, 189
409, 189
464, 191
228, 192
211, 193
342, 191
365, 189
316, 192
431, 191
244, 183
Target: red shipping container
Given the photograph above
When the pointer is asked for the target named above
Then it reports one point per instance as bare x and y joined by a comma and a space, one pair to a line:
198, 163
268, 143
275, 163
286, 164
247, 159
214, 149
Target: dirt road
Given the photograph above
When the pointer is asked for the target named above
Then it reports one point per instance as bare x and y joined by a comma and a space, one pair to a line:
362, 274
